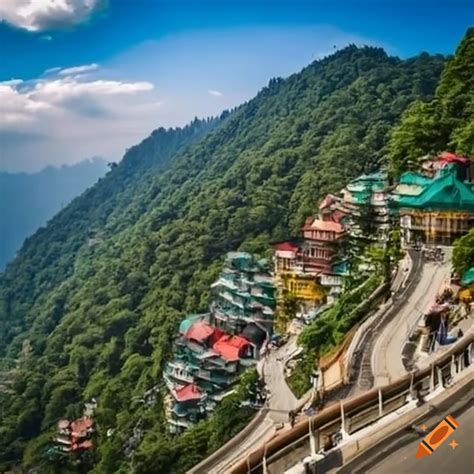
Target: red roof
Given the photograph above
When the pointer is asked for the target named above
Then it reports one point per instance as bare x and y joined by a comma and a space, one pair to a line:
199, 331
449, 157
80, 426
188, 392
229, 347
318, 224
87, 444
285, 246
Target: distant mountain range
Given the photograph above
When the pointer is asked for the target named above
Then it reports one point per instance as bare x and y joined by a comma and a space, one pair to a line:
28, 201
99, 292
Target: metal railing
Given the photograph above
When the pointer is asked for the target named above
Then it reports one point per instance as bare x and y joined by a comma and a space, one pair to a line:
350, 415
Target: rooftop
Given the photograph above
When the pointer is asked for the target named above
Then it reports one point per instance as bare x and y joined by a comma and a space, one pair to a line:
80, 426
229, 347
201, 331
327, 226
187, 393
445, 192
286, 246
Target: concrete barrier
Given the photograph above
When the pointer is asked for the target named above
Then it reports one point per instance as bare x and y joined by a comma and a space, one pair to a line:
205, 466
353, 414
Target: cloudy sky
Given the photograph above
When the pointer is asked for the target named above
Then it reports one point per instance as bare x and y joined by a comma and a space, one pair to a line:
80, 78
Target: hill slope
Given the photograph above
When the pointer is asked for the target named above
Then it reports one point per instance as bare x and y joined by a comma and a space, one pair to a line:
100, 318
447, 121
27, 201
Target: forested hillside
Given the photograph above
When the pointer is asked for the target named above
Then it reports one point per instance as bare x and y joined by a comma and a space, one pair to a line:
444, 123
98, 292
27, 201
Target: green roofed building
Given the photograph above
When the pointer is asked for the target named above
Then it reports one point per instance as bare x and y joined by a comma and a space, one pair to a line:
365, 199
434, 210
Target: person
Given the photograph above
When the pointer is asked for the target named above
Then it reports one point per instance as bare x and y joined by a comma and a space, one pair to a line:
292, 417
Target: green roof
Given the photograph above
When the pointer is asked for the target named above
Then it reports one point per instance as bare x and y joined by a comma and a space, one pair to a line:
187, 322
363, 186
412, 178
468, 277
445, 192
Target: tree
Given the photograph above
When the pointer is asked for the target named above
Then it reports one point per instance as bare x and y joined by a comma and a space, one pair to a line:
463, 253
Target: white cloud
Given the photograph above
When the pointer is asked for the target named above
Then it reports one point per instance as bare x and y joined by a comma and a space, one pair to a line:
71, 119
215, 93
78, 69
52, 70
45, 15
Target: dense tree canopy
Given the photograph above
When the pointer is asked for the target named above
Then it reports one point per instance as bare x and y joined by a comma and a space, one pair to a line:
98, 293
445, 122
463, 253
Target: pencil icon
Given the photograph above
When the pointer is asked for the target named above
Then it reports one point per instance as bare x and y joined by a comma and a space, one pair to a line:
437, 436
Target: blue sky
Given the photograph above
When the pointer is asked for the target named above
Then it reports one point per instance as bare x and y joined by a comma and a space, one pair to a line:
120, 68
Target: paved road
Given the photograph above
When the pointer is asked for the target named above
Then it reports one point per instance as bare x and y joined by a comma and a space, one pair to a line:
281, 402
386, 359
444, 460
282, 399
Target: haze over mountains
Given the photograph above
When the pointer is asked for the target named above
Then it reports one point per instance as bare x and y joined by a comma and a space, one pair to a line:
99, 292
28, 201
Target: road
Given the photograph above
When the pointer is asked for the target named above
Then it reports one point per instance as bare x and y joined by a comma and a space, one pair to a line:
386, 358
280, 403
396, 454
282, 399
443, 460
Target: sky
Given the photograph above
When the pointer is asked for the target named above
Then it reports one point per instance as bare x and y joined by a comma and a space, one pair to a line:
83, 78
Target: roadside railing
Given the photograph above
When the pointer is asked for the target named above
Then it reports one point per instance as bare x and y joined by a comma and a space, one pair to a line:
332, 424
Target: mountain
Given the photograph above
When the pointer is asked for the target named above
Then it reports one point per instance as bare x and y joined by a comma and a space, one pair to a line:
444, 123
98, 293
27, 201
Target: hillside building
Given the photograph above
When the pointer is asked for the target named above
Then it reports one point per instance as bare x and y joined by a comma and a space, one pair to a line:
213, 349
439, 209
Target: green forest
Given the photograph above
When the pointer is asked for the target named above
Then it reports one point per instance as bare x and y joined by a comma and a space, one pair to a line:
90, 306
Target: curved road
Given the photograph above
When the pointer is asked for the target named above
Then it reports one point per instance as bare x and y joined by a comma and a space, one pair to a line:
281, 401
386, 360
386, 363
397, 454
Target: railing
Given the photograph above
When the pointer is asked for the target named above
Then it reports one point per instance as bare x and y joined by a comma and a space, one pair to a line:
353, 414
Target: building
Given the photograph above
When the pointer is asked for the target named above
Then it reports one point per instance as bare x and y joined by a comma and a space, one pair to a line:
290, 275
322, 240
244, 293
213, 349
333, 282
365, 199
305, 268
74, 436
184, 406
436, 210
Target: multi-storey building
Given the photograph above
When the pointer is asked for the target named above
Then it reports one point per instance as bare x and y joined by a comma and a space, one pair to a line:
244, 293
366, 201
213, 349
436, 210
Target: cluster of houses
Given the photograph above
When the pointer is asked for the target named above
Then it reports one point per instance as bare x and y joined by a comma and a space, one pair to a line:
434, 205
212, 350
74, 437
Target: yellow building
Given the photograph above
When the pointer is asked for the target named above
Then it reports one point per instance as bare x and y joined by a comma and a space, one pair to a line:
302, 287
291, 280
